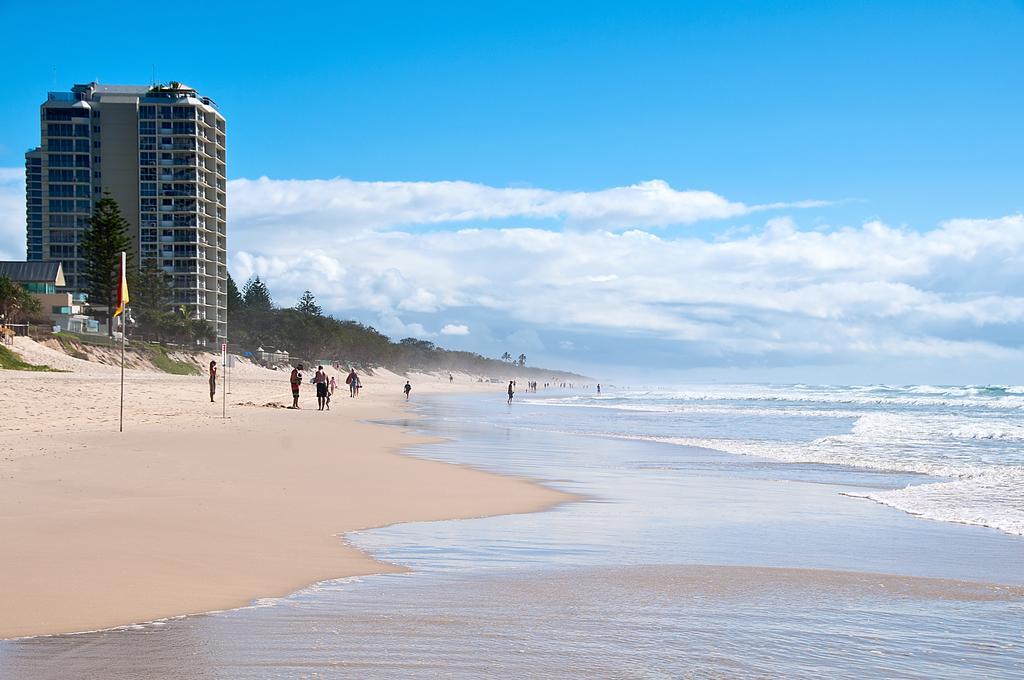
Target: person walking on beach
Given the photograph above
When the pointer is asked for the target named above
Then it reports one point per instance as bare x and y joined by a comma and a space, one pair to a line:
213, 379
450, 379
320, 378
358, 384
408, 389
511, 391
296, 381
332, 386
599, 388
351, 381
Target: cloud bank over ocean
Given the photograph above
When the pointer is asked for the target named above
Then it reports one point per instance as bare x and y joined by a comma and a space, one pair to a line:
595, 272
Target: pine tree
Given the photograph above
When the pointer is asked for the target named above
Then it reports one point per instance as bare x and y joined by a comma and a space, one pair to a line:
255, 295
307, 305
235, 301
152, 296
103, 240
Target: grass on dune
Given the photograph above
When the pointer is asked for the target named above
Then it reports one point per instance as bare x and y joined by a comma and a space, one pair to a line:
158, 355
12, 362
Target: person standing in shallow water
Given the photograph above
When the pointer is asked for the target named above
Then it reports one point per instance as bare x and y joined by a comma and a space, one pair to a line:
296, 381
213, 379
407, 390
511, 391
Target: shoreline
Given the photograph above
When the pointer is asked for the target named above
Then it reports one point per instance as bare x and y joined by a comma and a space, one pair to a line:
186, 513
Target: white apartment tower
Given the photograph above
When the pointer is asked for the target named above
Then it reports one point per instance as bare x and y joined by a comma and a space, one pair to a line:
160, 153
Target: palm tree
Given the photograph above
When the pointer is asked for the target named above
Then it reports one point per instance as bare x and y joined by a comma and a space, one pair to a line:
506, 357
522, 360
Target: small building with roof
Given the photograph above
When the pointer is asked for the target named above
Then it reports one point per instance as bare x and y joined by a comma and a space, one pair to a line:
41, 280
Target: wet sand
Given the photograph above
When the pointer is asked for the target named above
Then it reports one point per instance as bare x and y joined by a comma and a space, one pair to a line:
681, 562
186, 512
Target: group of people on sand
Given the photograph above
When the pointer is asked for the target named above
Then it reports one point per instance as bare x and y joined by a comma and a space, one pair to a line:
325, 386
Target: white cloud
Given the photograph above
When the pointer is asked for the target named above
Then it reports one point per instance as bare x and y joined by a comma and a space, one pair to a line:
831, 294
12, 214
850, 293
353, 205
395, 327
455, 329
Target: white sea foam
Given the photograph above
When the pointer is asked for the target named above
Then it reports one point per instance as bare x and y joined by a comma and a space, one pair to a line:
972, 437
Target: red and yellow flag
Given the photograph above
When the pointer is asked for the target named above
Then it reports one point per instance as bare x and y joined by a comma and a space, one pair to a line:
122, 291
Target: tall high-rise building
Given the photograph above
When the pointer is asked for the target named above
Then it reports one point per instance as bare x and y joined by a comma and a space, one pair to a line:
160, 153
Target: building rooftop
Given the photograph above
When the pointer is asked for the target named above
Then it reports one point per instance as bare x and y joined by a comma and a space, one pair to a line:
116, 89
82, 92
33, 272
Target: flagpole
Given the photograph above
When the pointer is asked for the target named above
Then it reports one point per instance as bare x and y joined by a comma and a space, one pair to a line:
124, 327
122, 311
224, 379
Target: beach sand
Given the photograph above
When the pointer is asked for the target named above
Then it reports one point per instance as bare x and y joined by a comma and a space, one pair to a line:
188, 512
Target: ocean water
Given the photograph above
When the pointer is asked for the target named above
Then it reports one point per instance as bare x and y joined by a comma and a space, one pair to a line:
677, 561
968, 442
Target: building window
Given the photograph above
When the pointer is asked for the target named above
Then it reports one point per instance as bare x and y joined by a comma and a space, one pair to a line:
82, 145
81, 161
62, 221
40, 287
147, 112
62, 190
147, 188
59, 129
61, 160
81, 130
147, 127
147, 158
63, 251
60, 145
61, 176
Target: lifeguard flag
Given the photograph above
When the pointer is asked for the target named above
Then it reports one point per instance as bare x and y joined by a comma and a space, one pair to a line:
122, 291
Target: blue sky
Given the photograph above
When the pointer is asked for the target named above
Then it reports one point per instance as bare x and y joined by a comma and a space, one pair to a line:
906, 114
